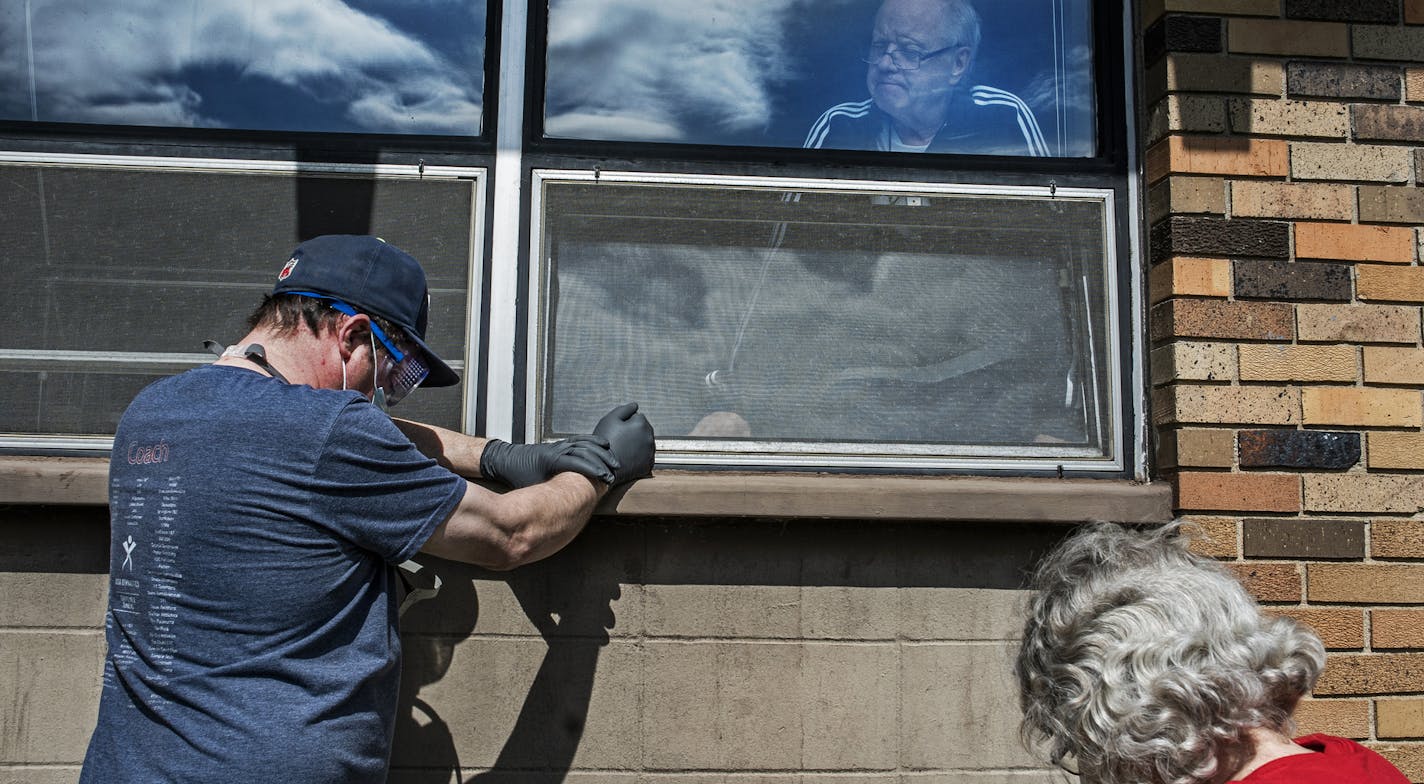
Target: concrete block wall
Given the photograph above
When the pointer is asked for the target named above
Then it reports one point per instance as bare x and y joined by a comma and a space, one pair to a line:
1283, 164
651, 650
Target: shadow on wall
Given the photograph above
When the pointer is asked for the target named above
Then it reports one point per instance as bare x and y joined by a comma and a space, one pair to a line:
672, 580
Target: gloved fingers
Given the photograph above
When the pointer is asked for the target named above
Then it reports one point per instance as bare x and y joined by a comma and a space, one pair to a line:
620, 414
603, 455
591, 468
573, 441
589, 459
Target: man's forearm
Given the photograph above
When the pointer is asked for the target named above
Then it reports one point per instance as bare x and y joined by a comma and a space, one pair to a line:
456, 451
553, 513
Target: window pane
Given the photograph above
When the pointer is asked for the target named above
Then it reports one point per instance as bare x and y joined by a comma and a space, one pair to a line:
118, 275
786, 73
360, 66
946, 324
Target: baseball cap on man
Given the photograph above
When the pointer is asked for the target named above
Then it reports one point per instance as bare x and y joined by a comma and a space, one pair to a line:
372, 276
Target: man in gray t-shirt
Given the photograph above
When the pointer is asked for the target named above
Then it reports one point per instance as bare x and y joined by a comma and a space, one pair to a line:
259, 506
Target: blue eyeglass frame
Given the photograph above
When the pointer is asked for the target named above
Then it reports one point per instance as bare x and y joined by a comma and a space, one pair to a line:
338, 305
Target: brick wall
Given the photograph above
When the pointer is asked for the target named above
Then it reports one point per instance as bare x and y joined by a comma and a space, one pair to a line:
1285, 145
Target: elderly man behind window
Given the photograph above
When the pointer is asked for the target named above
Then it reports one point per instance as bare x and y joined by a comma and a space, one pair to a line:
919, 58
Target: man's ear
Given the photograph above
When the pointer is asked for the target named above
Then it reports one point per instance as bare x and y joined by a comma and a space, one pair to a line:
351, 334
961, 62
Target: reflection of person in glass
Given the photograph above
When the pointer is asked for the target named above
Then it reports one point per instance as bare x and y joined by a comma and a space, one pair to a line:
920, 55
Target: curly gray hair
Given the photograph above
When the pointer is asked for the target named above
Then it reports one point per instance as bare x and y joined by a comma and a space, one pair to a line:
1143, 662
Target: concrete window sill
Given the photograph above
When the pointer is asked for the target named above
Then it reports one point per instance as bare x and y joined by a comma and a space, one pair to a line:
84, 481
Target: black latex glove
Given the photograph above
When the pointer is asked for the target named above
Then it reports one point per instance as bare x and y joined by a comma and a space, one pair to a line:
522, 465
630, 438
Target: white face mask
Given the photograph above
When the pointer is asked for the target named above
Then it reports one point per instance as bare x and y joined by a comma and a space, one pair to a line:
379, 395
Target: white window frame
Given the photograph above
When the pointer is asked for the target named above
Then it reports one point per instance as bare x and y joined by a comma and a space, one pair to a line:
882, 456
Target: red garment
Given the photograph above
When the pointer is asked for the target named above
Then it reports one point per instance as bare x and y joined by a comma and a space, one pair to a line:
1340, 761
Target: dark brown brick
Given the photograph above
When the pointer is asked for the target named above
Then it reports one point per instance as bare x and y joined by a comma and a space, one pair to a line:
1301, 280
1320, 449
1393, 203
1376, 11
1372, 673
1207, 318
1190, 236
1340, 80
1181, 33
1309, 539
1383, 122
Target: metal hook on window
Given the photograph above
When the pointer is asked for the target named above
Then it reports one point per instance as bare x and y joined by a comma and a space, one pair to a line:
1052, 189
420, 168
596, 173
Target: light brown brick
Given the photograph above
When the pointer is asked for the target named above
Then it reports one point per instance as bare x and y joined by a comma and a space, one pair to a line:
1289, 118
1366, 583
1389, 283
1210, 491
1353, 242
1408, 757
1213, 537
1208, 405
1402, 718
1316, 201
1291, 38
1414, 84
1217, 155
1214, 73
1337, 627
1277, 362
1345, 718
1189, 196
1185, 276
1269, 582
1394, 365
1370, 162
1187, 361
1377, 493
1178, 113
1357, 323
1396, 628
1198, 195
1395, 451
1200, 447
1367, 407
1397, 539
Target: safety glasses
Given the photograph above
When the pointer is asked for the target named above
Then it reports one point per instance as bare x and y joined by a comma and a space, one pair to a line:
407, 368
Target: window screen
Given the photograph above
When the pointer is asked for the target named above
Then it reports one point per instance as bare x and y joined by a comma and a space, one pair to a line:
918, 323
360, 66
988, 77
118, 274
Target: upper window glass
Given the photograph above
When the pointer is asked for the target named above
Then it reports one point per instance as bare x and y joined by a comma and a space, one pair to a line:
359, 66
1007, 77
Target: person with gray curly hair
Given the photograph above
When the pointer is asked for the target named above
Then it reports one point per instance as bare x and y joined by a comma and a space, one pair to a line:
1143, 663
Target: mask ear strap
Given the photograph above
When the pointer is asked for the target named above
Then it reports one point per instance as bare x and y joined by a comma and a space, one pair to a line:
253, 352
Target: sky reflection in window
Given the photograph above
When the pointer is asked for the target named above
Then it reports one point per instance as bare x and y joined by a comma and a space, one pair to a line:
362, 66
793, 73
